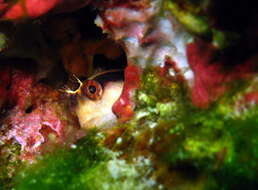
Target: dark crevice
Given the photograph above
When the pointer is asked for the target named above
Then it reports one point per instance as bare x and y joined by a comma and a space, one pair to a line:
29, 109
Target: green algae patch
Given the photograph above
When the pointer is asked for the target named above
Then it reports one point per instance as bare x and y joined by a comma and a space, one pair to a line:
222, 147
160, 98
169, 143
224, 39
209, 147
10, 163
117, 174
61, 169
196, 17
86, 166
193, 22
3, 41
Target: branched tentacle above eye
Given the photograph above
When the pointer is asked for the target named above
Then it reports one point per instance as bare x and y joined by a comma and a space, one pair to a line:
93, 87
67, 90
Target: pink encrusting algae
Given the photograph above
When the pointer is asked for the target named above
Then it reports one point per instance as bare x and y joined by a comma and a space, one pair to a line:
39, 116
212, 79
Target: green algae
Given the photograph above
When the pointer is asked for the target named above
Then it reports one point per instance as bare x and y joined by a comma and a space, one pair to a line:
9, 163
61, 169
209, 149
198, 24
86, 166
117, 174
160, 99
3, 41
224, 39
220, 147
218, 144
195, 18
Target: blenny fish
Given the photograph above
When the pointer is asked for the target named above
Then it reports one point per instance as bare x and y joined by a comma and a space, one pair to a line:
95, 98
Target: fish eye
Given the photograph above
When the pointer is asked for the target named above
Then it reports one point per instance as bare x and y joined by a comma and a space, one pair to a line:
92, 89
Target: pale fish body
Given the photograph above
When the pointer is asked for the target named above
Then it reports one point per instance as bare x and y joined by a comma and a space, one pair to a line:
95, 98
98, 113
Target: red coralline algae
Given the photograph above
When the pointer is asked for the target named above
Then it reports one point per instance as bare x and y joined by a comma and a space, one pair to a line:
36, 8
26, 128
29, 8
211, 79
3, 5
39, 116
120, 17
164, 72
252, 97
125, 19
20, 91
124, 106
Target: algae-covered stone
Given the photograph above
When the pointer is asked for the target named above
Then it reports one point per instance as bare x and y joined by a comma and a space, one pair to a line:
117, 174
221, 147
10, 162
87, 166
210, 144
